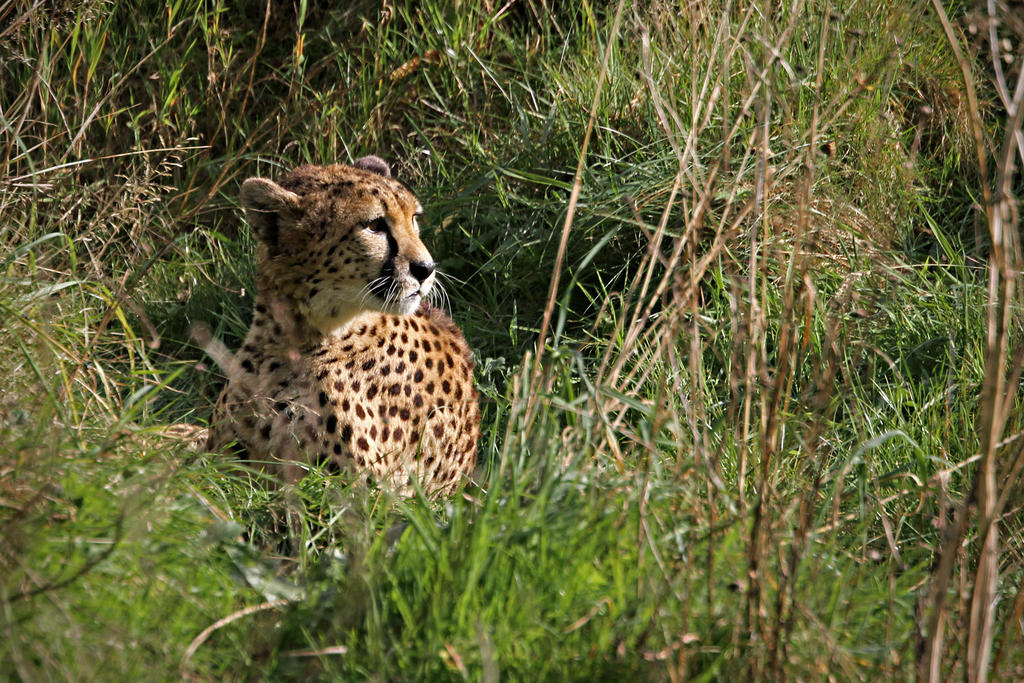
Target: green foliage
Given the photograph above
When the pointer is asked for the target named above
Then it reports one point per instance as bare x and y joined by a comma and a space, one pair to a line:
754, 409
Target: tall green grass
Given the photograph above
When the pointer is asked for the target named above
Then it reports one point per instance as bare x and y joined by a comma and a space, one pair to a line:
744, 445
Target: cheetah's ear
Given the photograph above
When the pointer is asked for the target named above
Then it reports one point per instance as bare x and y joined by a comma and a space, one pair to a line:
265, 202
374, 165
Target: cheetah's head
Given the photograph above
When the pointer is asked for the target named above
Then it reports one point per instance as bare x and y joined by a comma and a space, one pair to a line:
339, 240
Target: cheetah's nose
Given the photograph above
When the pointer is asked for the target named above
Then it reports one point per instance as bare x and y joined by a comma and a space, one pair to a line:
421, 270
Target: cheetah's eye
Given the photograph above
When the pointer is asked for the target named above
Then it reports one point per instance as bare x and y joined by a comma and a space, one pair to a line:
378, 225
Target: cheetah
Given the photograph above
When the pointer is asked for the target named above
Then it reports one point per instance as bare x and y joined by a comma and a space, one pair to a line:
346, 364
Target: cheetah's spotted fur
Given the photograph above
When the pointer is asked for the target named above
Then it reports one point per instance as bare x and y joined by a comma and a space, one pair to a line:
345, 363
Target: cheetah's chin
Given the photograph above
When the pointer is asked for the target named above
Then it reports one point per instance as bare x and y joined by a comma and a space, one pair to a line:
407, 305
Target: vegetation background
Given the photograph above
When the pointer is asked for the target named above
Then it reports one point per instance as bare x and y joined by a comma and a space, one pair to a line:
742, 281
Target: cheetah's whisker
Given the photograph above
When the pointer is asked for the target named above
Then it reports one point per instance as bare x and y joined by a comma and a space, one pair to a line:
452, 278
